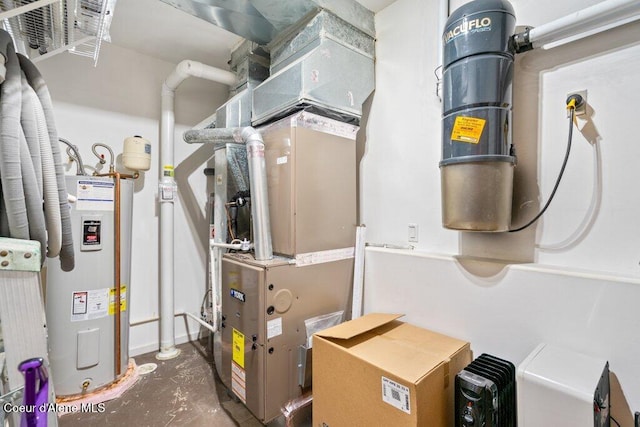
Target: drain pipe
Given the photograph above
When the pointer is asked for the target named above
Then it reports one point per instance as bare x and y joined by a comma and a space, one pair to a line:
167, 190
443, 15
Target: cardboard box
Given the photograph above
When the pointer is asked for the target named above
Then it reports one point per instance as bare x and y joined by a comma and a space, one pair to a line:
379, 371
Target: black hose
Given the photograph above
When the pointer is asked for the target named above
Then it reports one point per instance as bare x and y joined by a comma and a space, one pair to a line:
572, 113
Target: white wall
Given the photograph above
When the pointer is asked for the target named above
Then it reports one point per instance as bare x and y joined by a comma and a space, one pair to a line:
591, 225
120, 98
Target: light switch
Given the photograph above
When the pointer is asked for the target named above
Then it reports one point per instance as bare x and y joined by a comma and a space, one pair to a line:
413, 233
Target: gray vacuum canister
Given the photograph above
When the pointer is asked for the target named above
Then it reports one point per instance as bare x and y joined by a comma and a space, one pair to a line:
477, 162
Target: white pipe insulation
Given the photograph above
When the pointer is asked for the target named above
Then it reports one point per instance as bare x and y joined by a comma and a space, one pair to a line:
597, 18
167, 190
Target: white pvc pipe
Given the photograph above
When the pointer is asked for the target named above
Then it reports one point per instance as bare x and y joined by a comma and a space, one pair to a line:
156, 318
242, 246
215, 276
214, 284
200, 321
3, 70
167, 189
594, 18
358, 272
443, 15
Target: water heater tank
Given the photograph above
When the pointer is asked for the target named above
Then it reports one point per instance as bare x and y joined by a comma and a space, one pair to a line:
477, 157
81, 304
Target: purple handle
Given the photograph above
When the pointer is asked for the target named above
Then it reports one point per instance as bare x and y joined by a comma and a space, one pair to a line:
36, 392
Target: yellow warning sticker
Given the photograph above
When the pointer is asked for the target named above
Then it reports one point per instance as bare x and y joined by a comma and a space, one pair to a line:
238, 347
167, 170
467, 129
112, 300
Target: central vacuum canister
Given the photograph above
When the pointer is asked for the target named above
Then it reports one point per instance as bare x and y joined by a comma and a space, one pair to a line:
477, 157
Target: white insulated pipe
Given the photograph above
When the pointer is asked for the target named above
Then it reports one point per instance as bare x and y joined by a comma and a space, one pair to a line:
600, 16
167, 189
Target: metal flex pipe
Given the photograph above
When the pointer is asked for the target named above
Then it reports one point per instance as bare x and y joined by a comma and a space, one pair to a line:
259, 201
257, 179
166, 191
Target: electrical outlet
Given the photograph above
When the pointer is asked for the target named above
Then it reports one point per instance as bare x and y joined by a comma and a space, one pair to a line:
582, 108
413, 232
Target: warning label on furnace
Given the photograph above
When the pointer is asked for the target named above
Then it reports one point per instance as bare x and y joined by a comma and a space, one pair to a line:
238, 347
239, 382
467, 129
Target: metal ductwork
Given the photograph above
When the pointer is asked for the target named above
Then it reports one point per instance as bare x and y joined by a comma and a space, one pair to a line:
316, 55
261, 21
477, 154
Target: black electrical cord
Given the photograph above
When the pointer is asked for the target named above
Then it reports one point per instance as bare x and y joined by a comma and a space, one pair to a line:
572, 113
614, 420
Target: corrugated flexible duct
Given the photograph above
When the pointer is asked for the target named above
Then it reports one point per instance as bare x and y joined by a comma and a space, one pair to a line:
29, 145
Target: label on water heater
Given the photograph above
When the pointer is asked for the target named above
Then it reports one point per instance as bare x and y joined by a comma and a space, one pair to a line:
467, 129
91, 233
89, 304
95, 195
112, 300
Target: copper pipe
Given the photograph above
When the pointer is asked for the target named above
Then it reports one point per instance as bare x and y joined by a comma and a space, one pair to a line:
116, 220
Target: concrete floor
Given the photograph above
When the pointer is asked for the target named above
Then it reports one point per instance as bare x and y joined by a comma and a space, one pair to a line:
184, 391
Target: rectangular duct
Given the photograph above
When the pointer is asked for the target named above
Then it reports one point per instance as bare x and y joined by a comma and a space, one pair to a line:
262, 20
308, 35
332, 80
322, 64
